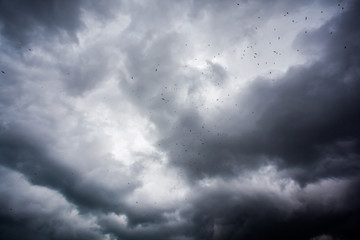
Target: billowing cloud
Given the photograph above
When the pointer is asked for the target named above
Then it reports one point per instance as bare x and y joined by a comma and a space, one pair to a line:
179, 120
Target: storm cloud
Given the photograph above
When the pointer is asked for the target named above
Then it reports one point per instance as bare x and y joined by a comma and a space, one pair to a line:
179, 120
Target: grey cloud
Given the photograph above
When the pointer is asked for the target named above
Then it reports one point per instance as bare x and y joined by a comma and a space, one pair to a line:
308, 118
92, 194
148, 231
23, 20
86, 71
231, 214
304, 123
21, 153
33, 212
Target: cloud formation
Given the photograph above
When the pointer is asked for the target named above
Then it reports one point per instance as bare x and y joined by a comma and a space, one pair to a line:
179, 120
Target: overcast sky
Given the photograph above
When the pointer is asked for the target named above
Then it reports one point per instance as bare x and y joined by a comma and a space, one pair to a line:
179, 120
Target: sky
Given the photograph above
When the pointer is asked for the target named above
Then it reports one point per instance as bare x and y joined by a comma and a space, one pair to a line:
179, 120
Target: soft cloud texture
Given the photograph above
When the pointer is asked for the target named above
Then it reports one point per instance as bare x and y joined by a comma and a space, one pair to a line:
179, 120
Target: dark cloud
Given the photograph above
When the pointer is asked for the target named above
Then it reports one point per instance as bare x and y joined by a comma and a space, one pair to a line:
306, 119
260, 216
33, 212
20, 152
166, 120
23, 20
